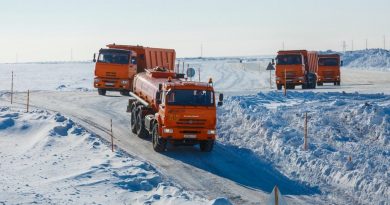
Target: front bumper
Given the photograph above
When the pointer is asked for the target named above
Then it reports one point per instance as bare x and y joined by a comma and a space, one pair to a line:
328, 79
295, 81
189, 134
111, 84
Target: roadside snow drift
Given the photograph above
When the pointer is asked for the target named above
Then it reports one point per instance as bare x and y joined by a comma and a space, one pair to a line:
348, 140
47, 158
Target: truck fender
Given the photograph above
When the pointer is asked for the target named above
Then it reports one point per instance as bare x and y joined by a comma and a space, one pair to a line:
158, 120
132, 104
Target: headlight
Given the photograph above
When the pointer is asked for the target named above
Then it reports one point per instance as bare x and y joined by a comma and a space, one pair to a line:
168, 130
97, 80
211, 132
300, 78
124, 82
277, 78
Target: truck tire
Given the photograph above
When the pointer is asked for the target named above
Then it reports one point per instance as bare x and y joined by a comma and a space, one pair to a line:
159, 144
124, 92
338, 83
320, 84
279, 86
133, 120
101, 91
206, 146
140, 125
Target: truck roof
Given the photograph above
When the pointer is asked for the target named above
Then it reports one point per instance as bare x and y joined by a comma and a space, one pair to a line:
114, 50
292, 52
333, 55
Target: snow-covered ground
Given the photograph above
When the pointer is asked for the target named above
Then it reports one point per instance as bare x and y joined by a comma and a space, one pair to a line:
340, 126
256, 123
46, 158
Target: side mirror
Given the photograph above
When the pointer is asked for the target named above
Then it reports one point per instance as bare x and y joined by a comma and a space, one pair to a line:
220, 100
220, 97
158, 97
94, 58
273, 62
341, 63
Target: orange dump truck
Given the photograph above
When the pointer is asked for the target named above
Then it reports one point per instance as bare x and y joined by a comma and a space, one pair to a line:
296, 67
117, 65
328, 69
173, 110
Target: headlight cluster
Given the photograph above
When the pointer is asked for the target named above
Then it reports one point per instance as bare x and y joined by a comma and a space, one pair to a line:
97, 80
124, 82
211, 132
168, 130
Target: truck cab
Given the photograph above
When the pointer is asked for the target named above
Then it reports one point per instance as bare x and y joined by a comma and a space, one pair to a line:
187, 113
295, 67
117, 65
328, 69
173, 110
114, 70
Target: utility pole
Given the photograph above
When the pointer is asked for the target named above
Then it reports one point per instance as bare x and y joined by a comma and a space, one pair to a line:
12, 87
201, 50
352, 45
344, 46
283, 45
366, 44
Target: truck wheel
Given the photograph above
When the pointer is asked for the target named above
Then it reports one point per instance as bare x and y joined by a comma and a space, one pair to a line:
338, 83
279, 86
124, 92
320, 84
304, 86
140, 125
101, 91
206, 146
133, 121
159, 144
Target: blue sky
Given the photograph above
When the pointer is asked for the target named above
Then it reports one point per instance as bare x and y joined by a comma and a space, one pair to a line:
47, 30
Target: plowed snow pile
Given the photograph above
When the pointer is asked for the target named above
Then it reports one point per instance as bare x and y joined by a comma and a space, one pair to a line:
46, 158
348, 140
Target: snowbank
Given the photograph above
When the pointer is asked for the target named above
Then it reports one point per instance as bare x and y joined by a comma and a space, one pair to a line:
46, 158
371, 59
342, 126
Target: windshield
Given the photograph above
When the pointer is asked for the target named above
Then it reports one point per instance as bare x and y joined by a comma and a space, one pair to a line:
328, 62
190, 97
113, 57
289, 59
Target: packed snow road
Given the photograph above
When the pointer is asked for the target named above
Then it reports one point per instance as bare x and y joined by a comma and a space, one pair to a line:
219, 173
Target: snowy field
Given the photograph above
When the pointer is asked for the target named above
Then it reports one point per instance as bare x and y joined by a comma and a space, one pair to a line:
347, 160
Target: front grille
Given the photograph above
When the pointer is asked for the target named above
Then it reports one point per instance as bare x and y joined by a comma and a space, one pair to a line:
191, 122
111, 74
289, 74
190, 132
328, 74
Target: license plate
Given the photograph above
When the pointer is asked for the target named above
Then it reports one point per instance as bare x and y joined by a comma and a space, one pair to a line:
109, 84
190, 136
